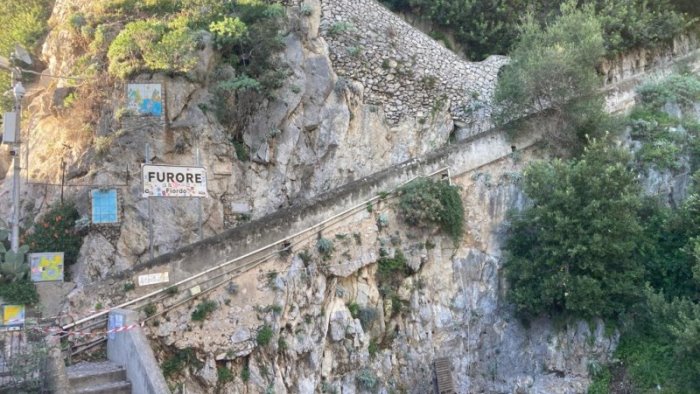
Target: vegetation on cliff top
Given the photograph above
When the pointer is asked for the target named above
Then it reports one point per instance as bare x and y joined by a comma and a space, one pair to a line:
491, 27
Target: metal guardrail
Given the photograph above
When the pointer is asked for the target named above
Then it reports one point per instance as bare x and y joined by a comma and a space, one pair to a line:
90, 331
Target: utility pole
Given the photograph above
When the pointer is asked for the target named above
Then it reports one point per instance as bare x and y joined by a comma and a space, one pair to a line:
147, 159
18, 92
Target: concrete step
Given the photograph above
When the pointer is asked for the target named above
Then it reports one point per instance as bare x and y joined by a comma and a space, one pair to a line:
122, 387
95, 374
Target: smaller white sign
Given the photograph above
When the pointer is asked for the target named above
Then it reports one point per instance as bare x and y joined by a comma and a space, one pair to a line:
173, 181
152, 279
195, 290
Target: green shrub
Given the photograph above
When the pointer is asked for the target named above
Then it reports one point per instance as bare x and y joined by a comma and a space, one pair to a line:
241, 151
181, 359
128, 286
325, 247
372, 348
683, 89
554, 69
55, 232
282, 344
203, 310
153, 46
367, 379
425, 202
572, 252
264, 335
224, 375
150, 309
19, 292
391, 271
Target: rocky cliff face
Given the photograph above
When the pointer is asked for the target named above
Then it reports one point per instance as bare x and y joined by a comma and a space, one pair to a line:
335, 326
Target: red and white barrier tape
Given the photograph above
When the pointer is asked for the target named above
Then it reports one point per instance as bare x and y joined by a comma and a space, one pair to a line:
58, 330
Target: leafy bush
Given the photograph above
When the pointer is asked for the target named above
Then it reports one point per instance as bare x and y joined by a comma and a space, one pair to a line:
153, 45
181, 359
491, 26
391, 271
424, 201
203, 310
683, 89
20, 291
572, 253
554, 69
264, 335
55, 232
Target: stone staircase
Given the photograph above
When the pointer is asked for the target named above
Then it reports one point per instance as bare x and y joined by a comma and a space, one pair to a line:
443, 374
103, 377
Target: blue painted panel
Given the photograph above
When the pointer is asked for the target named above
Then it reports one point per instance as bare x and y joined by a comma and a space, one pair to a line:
104, 206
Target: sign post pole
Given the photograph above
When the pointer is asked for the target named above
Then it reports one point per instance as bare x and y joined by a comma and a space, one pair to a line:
198, 163
150, 211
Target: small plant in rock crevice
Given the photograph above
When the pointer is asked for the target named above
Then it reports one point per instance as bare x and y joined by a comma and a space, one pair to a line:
203, 310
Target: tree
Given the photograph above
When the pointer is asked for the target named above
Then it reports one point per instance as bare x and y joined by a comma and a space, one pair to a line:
572, 253
554, 69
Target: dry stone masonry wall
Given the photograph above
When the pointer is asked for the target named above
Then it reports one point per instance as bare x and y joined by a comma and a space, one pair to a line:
403, 69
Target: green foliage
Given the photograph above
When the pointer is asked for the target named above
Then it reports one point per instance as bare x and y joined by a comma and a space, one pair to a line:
367, 379
13, 265
21, 291
23, 22
240, 83
683, 89
171, 291
264, 335
282, 344
228, 31
245, 373
339, 28
180, 360
128, 286
391, 271
354, 309
224, 375
55, 232
572, 252
662, 346
485, 27
325, 247
638, 24
203, 310
241, 150
373, 348
425, 202
554, 69
601, 381
152, 46
150, 309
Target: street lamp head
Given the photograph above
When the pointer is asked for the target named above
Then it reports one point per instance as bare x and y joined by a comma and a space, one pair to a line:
18, 91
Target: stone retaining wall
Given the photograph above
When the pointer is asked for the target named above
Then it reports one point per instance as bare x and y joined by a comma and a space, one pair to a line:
403, 69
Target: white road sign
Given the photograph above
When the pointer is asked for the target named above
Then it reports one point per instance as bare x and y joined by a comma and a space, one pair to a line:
173, 181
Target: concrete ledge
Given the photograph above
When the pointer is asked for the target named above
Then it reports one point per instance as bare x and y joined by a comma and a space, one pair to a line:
131, 349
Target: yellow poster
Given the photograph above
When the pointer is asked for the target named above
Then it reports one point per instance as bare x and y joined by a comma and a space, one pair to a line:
12, 315
46, 267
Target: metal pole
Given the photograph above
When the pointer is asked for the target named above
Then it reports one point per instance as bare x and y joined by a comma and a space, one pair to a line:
63, 178
198, 161
18, 91
150, 210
